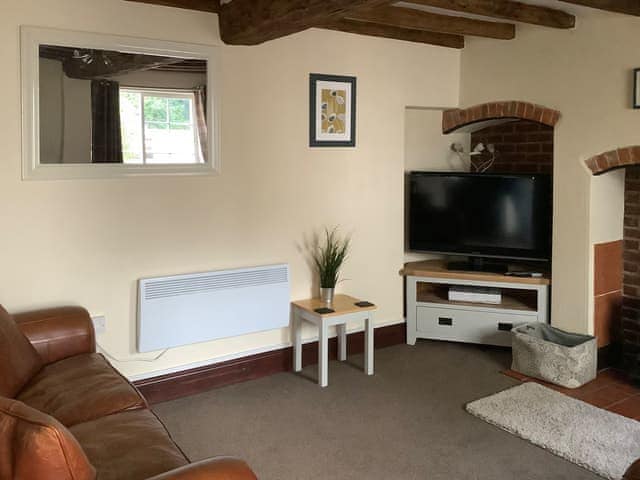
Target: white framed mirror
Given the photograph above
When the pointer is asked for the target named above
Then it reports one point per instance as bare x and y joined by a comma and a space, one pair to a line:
104, 106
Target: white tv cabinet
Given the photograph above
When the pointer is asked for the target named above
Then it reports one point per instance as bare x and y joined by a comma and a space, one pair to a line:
431, 315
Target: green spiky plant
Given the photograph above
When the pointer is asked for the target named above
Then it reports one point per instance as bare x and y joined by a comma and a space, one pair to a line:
329, 256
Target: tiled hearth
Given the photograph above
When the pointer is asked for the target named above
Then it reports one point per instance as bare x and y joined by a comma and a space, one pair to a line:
607, 291
611, 390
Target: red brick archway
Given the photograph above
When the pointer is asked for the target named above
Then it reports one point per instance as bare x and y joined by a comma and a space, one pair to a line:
457, 118
619, 158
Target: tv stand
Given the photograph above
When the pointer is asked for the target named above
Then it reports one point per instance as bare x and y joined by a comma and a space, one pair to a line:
478, 265
430, 313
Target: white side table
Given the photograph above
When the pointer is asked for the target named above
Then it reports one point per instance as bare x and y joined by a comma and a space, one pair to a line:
345, 310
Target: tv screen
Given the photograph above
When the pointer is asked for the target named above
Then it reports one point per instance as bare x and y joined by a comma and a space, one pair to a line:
486, 215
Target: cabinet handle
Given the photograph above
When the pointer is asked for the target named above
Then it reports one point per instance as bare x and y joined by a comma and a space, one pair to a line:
445, 321
505, 327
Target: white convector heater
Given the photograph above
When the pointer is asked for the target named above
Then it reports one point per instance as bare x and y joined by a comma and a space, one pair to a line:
185, 309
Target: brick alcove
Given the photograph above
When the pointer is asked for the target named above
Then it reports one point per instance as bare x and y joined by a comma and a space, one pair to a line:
458, 118
521, 132
614, 159
617, 264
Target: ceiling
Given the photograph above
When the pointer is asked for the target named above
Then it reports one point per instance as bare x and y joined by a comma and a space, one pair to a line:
438, 22
89, 63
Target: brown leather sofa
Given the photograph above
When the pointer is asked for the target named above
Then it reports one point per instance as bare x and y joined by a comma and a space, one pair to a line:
633, 473
67, 414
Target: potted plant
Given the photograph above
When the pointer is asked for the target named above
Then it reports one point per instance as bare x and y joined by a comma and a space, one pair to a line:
328, 257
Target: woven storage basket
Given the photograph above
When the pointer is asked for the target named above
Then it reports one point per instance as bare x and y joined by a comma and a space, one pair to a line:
566, 359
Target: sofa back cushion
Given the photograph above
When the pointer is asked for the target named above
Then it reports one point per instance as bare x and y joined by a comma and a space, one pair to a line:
35, 446
19, 361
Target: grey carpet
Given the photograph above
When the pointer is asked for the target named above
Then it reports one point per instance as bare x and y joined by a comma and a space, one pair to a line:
405, 423
599, 440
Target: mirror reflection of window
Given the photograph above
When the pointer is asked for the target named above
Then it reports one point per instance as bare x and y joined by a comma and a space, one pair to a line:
104, 106
159, 126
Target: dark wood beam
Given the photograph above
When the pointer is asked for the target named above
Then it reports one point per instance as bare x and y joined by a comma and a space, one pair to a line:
212, 6
250, 22
433, 22
628, 7
507, 9
386, 31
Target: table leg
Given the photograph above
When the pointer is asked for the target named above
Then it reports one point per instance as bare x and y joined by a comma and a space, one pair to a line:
368, 346
297, 341
342, 342
323, 356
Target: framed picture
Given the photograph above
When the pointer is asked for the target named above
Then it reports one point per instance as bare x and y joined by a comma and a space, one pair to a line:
636, 88
332, 112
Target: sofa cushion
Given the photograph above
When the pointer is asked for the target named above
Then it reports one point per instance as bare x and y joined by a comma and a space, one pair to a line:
19, 361
132, 445
34, 445
79, 389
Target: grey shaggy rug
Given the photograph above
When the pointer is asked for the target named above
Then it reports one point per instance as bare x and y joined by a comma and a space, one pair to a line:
598, 440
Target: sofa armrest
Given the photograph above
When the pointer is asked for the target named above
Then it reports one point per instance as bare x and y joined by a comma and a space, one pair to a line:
58, 333
220, 468
633, 473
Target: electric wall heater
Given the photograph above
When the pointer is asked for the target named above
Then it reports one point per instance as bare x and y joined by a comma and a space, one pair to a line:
185, 309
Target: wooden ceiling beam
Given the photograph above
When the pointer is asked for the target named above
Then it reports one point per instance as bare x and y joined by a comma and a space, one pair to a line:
433, 22
212, 6
628, 7
508, 10
251, 22
386, 31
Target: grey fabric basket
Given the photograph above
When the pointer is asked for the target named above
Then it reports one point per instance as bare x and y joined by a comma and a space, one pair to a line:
566, 359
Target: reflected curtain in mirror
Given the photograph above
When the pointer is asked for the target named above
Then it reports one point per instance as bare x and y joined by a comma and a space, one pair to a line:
200, 94
106, 138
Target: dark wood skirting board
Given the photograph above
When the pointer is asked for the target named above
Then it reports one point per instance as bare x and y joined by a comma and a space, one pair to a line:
200, 379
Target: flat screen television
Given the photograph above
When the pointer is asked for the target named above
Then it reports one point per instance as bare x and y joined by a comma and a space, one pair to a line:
481, 215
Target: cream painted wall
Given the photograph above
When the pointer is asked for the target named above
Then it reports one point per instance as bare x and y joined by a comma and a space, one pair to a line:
77, 120
586, 74
52, 118
65, 118
427, 148
160, 79
87, 242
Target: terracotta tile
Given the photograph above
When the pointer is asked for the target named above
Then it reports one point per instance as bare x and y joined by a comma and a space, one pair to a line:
516, 375
607, 267
598, 384
629, 407
607, 317
620, 380
604, 397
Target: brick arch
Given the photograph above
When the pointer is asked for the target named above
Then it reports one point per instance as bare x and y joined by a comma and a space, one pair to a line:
457, 118
613, 159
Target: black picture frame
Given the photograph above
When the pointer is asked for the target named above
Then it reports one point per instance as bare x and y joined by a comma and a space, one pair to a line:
314, 78
636, 88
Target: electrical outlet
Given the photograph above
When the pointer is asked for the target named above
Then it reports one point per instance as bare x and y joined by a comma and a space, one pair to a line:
99, 324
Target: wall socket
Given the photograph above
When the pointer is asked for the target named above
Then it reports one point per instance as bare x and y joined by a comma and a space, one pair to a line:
99, 324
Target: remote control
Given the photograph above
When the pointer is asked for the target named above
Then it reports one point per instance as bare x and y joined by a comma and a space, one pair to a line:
524, 274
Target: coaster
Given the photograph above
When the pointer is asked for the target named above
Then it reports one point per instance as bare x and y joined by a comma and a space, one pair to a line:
324, 310
364, 304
